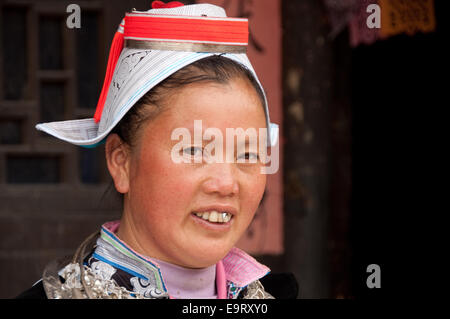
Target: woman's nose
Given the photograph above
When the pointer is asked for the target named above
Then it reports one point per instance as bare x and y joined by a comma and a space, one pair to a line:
221, 180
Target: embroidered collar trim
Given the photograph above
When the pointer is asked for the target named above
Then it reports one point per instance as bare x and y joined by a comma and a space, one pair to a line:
136, 264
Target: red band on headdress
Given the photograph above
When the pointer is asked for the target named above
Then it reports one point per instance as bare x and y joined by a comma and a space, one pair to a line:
232, 31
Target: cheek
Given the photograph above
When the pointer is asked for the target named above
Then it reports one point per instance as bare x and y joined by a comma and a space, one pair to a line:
251, 194
160, 187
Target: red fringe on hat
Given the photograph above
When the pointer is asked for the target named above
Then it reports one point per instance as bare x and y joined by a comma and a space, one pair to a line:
160, 4
114, 53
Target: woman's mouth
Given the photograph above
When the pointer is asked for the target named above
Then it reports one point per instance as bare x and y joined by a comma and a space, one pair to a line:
214, 216
213, 219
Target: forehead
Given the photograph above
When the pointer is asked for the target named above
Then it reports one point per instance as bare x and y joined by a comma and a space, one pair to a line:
232, 104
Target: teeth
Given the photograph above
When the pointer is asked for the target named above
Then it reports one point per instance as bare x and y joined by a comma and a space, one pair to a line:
226, 217
214, 216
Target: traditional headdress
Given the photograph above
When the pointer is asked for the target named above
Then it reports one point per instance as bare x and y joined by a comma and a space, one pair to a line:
148, 47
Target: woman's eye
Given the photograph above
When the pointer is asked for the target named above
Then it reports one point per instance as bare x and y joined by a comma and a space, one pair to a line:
249, 156
193, 151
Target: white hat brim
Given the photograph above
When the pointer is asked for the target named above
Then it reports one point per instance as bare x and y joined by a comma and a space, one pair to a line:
137, 72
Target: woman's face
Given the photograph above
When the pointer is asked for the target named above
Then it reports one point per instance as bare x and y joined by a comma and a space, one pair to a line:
164, 196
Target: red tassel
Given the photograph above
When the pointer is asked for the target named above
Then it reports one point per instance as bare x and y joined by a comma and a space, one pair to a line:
162, 5
114, 53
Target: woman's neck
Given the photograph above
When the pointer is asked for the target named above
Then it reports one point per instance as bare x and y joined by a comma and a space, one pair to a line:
188, 283
182, 282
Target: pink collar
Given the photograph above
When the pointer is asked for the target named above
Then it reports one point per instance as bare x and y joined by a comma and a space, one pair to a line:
221, 281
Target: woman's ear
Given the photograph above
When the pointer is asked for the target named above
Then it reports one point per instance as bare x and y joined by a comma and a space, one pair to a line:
117, 159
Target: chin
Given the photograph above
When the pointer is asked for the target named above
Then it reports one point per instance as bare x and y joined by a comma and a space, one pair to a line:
204, 263
199, 259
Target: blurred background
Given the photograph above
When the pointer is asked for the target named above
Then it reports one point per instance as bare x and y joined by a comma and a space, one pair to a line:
346, 81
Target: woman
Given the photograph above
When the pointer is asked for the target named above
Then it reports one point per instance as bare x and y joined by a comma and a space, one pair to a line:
174, 72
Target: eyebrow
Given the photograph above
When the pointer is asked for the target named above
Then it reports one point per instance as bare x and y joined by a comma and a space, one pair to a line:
237, 143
